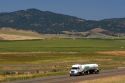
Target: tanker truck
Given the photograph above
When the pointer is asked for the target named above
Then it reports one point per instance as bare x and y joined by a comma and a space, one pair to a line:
79, 69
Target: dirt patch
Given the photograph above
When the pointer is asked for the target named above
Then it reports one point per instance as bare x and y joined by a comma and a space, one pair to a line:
117, 53
103, 59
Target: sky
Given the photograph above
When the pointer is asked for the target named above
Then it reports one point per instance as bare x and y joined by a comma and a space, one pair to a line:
86, 9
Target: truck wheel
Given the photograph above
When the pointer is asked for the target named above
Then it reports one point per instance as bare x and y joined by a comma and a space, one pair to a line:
97, 72
71, 75
88, 72
79, 74
82, 73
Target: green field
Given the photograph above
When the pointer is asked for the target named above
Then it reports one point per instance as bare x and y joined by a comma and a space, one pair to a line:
62, 45
55, 56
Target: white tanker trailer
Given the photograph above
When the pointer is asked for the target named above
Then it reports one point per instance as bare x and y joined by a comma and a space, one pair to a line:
84, 69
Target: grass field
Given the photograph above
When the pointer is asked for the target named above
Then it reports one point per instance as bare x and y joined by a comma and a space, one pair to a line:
36, 58
62, 45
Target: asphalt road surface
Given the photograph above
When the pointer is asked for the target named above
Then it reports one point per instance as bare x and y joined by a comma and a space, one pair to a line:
74, 79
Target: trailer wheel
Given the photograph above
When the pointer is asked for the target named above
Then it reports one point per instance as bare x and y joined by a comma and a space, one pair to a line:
88, 72
97, 72
83, 73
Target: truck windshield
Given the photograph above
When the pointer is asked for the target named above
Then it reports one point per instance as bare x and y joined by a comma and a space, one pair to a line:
75, 67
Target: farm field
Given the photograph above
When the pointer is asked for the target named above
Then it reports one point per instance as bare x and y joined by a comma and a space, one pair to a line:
37, 58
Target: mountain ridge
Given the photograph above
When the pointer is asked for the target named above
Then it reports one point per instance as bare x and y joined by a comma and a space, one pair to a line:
47, 22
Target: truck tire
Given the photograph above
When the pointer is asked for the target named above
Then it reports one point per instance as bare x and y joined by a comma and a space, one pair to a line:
83, 73
70, 75
97, 72
87, 72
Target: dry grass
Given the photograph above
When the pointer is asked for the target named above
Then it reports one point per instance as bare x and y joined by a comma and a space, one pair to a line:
117, 53
13, 77
1, 77
17, 37
13, 34
113, 79
18, 32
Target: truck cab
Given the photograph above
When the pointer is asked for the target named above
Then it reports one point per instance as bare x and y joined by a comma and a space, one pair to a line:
76, 70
